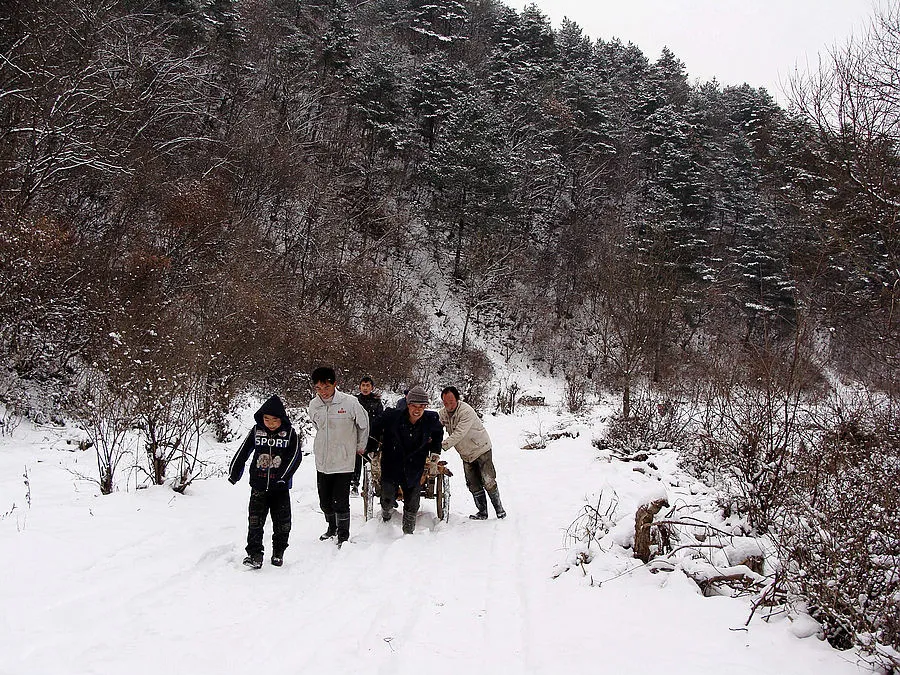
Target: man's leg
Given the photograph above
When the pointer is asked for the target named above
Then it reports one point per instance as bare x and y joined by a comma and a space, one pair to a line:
476, 487
257, 511
280, 505
489, 478
412, 495
357, 470
324, 485
388, 492
341, 504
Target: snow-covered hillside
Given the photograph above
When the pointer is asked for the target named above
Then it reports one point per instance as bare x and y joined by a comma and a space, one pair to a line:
150, 581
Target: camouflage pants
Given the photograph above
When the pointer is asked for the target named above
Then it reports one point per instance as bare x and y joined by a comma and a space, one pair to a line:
278, 502
480, 473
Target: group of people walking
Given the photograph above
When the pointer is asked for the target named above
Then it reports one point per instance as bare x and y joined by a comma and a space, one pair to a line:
349, 429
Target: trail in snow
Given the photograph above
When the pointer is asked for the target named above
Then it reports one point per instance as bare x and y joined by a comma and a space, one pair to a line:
150, 581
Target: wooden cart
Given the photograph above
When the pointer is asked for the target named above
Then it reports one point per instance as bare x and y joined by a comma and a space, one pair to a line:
435, 485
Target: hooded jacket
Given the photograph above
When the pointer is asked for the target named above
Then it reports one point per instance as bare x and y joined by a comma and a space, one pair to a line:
342, 428
466, 431
405, 446
276, 454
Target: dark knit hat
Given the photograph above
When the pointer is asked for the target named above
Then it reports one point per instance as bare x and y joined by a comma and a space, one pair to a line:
417, 396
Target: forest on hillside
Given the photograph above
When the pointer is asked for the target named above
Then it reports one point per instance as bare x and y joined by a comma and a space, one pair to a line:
204, 198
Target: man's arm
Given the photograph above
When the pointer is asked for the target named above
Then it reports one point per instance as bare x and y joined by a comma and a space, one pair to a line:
310, 411
296, 456
236, 468
362, 427
436, 433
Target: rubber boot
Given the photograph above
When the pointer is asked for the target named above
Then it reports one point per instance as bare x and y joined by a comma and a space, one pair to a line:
481, 504
409, 522
495, 500
343, 527
332, 527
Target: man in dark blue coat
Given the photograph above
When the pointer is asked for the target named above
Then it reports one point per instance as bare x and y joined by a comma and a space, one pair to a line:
408, 437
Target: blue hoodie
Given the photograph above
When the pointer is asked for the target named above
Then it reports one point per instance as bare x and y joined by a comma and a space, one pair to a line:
276, 454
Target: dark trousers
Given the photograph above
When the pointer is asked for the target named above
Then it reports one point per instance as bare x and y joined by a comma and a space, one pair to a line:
278, 502
357, 470
334, 492
412, 495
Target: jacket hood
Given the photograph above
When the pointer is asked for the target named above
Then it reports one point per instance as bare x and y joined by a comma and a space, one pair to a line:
273, 407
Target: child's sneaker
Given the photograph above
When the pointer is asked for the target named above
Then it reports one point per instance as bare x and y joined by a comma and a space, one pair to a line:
253, 561
277, 560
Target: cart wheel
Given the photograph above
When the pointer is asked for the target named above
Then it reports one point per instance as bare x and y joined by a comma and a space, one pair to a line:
442, 495
368, 490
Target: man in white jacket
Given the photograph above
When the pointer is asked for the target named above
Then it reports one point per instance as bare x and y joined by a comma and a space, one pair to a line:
342, 431
468, 435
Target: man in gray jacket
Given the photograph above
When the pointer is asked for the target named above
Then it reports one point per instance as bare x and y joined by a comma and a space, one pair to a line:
468, 435
342, 431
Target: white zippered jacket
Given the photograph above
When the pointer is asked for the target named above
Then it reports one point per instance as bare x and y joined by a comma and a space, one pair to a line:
342, 428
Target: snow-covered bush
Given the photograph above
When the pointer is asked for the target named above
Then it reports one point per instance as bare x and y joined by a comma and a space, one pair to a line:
171, 417
820, 477
840, 534
107, 413
654, 419
470, 372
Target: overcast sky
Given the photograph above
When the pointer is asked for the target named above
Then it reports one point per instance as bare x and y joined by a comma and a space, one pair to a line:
755, 41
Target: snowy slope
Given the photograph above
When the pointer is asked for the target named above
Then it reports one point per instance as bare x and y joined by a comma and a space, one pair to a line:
149, 581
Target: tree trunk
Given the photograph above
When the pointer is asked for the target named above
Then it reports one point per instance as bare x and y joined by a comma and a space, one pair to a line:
643, 519
462, 346
459, 239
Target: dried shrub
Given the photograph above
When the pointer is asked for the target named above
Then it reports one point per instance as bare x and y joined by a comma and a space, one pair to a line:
841, 529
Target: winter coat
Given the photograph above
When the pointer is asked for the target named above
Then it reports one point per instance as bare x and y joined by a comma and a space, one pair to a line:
276, 454
342, 428
466, 432
405, 446
372, 404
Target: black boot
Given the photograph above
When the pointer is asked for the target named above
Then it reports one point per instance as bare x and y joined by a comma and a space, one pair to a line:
481, 504
495, 500
409, 522
343, 527
254, 561
332, 527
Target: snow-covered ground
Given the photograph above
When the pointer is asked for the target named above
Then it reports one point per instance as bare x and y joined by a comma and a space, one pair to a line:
150, 581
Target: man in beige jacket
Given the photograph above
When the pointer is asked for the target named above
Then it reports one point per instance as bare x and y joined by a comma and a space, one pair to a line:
468, 435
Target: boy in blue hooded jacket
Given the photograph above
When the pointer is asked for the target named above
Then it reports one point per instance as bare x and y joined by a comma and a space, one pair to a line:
276, 456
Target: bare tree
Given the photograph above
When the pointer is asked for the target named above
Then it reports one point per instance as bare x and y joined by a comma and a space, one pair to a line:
107, 413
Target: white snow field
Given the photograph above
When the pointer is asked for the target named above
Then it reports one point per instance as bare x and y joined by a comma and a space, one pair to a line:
150, 581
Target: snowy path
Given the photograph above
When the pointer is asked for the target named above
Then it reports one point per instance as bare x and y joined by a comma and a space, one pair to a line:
150, 581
